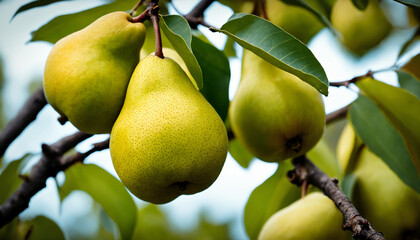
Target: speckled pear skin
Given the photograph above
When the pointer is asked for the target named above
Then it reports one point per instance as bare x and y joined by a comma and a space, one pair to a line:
87, 73
274, 114
168, 140
314, 217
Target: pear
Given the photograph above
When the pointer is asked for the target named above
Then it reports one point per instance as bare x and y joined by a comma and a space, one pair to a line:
383, 199
274, 114
168, 140
360, 30
314, 217
87, 73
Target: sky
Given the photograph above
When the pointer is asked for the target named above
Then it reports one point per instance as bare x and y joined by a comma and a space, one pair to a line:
23, 62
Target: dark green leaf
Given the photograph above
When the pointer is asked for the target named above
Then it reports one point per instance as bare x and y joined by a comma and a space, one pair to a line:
107, 191
401, 108
239, 153
360, 4
229, 48
35, 4
415, 3
44, 229
277, 47
383, 139
348, 185
274, 194
317, 14
178, 31
64, 25
409, 82
9, 178
216, 75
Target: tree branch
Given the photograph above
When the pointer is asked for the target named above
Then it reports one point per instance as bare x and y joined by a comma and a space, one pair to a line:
195, 16
51, 162
25, 116
305, 170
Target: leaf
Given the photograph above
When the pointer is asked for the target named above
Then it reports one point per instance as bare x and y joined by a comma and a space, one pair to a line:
414, 3
44, 228
409, 82
178, 32
360, 4
401, 108
229, 48
348, 185
383, 139
152, 224
274, 194
277, 47
239, 153
317, 14
64, 25
107, 191
216, 75
9, 178
35, 4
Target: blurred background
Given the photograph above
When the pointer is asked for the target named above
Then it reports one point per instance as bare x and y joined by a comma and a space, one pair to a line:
221, 206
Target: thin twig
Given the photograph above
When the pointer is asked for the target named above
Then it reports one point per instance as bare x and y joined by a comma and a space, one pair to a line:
51, 162
305, 170
195, 16
138, 4
338, 114
25, 116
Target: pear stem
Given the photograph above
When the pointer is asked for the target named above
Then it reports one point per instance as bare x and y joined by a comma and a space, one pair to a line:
154, 16
306, 171
138, 4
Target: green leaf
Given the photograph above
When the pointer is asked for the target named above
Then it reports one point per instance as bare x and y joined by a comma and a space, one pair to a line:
9, 178
360, 4
152, 224
39, 228
414, 3
229, 48
303, 4
383, 139
268, 198
178, 32
277, 47
239, 153
107, 191
35, 4
348, 185
409, 82
401, 108
64, 25
216, 75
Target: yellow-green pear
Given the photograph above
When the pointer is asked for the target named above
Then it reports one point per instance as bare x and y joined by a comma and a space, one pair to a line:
313, 217
360, 30
382, 198
274, 114
168, 140
348, 148
87, 73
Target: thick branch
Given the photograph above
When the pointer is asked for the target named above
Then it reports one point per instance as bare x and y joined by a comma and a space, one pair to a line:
51, 162
25, 116
195, 16
305, 170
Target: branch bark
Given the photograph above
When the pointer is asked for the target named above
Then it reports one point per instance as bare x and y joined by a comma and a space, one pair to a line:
51, 162
305, 170
25, 116
195, 16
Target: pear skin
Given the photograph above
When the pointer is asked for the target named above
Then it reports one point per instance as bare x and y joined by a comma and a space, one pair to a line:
274, 114
313, 217
382, 198
87, 73
360, 30
168, 140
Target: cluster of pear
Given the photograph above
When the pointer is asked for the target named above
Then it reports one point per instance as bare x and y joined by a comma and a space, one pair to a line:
166, 139
382, 198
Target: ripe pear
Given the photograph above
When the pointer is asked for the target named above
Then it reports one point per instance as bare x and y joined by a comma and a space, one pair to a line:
314, 217
274, 114
382, 198
360, 30
168, 140
87, 73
